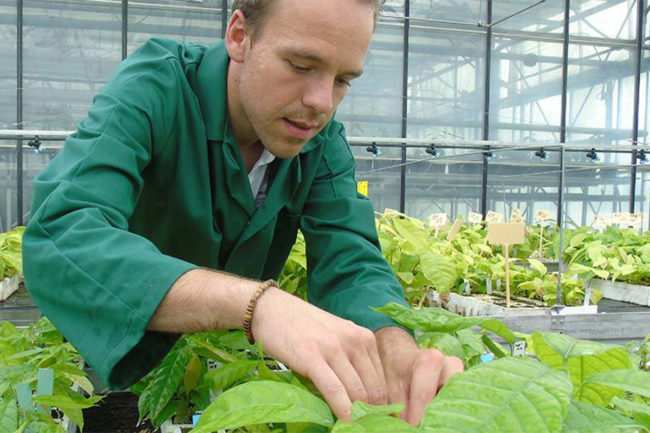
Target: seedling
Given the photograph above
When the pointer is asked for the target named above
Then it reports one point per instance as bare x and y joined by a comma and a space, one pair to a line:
506, 235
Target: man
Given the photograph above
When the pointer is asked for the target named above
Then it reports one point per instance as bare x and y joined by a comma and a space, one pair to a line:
198, 158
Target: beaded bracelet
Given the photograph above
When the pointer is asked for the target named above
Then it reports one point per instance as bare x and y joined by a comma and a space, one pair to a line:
248, 316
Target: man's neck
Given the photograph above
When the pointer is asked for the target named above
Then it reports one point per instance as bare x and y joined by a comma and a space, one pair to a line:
251, 154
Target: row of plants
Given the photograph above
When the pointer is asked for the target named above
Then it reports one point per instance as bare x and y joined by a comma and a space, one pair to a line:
11, 260
614, 254
560, 384
423, 258
31, 400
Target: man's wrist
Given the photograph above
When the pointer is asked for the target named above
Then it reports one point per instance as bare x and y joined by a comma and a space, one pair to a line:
390, 338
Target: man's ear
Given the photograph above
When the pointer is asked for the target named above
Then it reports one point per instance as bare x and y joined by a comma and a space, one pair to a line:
237, 36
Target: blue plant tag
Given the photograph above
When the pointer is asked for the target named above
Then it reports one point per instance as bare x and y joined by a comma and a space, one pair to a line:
195, 419
487, 357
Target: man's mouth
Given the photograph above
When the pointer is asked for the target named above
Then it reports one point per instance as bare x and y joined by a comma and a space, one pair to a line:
300, 129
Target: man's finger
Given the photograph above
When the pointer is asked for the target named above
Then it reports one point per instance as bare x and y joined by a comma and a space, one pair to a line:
451, 365
355, 387
425, 376
381, 396
332, 388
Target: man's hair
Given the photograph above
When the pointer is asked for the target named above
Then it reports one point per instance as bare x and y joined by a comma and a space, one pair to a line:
256, 11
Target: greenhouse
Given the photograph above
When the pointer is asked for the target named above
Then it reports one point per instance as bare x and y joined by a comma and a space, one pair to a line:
312, 216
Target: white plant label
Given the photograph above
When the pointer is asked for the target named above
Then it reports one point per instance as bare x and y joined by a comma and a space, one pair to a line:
494, 217
438, 220
601, 222
516, 217
475, 218
636, 220
542, 215
519, 348
468, 287
488, 286
621, 218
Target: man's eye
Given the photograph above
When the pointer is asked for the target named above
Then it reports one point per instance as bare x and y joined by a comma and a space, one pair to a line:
342, 82
299, 68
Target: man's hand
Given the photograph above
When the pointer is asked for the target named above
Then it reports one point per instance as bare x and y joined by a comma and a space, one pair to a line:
340, 357
413, 375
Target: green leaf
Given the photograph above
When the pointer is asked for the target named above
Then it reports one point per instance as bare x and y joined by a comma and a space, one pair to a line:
192, 374
224, 376
8, 415
509, 395
440, 271
361, 409
632, 380
439, 320
537, 266
640, 412
589, 418
374, 423
72, 407
443, 341
169, 375
581, 359
407, 277
263, 402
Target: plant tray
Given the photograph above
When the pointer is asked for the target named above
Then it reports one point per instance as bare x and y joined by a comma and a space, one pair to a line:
8, 286
620, 291
491, 305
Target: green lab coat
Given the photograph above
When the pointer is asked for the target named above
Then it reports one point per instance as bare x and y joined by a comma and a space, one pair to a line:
153, 185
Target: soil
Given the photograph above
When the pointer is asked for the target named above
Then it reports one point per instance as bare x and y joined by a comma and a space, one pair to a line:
117, 412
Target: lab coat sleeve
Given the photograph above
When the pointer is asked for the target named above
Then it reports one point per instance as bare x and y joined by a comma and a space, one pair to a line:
347, 274
96, 281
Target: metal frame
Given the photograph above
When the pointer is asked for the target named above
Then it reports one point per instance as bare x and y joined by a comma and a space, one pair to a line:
409, 24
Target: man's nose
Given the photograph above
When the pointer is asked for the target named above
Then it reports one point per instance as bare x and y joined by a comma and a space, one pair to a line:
319, 95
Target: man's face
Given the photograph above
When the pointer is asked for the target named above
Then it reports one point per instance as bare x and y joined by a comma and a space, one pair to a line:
297, 70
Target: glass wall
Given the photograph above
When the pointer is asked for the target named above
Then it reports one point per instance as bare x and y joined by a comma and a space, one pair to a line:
8, 65
70, 48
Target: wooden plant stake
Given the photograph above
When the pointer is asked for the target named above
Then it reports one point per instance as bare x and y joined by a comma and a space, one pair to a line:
506, 234
454, 230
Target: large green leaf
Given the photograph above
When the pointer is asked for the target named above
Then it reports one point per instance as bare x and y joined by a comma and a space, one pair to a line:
263, 402
440, 271
374, 423
72, 407
439, 320
224, 376
581, 359
510, 395
169, 376
632, 380
589, 418
640, 412
8, 415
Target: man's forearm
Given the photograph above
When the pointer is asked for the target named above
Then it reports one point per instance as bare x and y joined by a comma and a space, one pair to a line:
203, 300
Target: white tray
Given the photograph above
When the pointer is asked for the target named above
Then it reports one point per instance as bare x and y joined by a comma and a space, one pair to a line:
620, 291
8, 286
